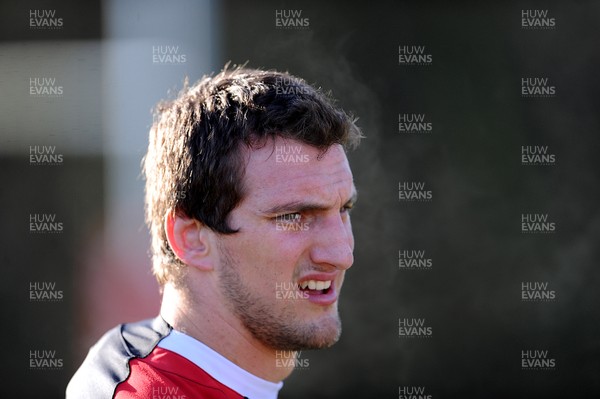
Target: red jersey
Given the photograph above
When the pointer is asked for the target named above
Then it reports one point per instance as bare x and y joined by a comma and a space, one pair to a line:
150, 360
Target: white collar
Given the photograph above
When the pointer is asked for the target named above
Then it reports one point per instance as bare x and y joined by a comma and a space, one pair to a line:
219, 367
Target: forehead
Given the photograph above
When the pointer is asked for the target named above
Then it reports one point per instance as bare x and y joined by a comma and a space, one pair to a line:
289, 169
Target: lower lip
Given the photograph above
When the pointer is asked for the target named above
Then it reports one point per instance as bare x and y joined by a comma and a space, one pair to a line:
326, 299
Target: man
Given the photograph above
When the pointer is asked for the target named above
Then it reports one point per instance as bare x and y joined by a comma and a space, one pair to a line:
248, 193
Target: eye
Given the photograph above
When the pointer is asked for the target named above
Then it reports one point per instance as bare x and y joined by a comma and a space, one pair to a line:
293, 217
347, 208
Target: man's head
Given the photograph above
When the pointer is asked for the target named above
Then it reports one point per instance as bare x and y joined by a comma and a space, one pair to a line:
247, 183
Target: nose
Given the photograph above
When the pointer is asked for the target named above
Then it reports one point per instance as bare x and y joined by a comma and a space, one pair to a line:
333, 242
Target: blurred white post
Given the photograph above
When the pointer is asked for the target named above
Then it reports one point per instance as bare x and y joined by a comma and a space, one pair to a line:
149, 48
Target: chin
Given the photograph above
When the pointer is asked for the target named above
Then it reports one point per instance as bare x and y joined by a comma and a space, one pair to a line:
327, 332
317, 335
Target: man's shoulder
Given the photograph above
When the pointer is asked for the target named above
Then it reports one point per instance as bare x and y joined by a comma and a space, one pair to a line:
107, 363
166, 374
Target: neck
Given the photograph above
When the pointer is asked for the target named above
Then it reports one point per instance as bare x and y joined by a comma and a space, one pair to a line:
218, 329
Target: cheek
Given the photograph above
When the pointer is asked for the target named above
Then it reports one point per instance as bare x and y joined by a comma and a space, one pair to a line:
267, 256
282, 253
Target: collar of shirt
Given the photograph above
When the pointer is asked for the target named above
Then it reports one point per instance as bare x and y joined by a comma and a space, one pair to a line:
219, 367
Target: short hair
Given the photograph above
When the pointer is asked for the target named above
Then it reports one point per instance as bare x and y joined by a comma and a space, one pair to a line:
194, 162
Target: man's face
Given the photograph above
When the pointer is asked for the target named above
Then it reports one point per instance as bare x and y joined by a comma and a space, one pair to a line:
281, 274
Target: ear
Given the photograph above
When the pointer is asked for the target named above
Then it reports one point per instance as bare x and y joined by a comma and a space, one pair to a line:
189, 240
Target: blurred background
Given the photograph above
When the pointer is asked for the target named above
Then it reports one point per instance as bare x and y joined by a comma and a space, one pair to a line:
78, 81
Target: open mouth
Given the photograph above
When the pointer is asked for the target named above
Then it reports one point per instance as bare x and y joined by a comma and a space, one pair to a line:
315, 287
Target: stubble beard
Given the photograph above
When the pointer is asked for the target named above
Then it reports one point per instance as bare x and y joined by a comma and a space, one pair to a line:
275, 326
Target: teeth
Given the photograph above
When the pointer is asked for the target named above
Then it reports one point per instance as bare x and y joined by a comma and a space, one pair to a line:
317, 285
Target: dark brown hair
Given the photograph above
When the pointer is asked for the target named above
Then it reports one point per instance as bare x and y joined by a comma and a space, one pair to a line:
194, 165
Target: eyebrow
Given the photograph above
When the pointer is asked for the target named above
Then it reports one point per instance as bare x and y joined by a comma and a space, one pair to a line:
302, 206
